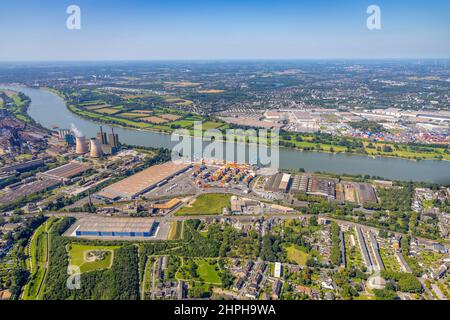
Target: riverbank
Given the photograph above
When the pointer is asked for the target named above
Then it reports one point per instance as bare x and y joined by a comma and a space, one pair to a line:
48, 109
355, 146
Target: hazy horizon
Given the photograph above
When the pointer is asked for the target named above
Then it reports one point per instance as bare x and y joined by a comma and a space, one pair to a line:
157, 30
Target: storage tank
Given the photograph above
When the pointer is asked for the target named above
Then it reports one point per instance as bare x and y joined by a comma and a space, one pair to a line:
81, 146
96, 149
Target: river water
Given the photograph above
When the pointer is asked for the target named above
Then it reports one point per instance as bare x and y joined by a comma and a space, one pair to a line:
49, 110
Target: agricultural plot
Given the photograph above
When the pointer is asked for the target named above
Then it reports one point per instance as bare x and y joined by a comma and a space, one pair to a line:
90, 258
155, 120
109, 111
210, 91
183, 84
170, 117
132, 115
96, 106
178, 101
211, 125
183, 123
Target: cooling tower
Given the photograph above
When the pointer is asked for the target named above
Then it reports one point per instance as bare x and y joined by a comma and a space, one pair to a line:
81, 146
96, 149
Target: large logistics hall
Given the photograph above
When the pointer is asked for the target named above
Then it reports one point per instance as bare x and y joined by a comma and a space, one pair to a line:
67, 171
143, 181
117, 227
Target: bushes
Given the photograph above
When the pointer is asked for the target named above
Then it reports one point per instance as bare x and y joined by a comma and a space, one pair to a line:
336, 258
385, 294
405, 282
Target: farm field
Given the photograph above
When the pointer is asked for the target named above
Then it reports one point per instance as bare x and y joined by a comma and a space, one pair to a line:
156, 120
210, 91
107, 111
206, 204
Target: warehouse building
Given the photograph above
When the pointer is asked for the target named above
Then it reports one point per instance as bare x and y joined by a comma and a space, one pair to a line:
279, 182
143, 181
366, 193
117, 227
67, 171
24, 167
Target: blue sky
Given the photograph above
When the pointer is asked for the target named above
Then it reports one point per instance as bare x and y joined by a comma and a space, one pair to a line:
223, 29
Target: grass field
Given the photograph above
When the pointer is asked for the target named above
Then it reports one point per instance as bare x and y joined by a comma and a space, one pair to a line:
170, 117
296, 254
132, 115
206, 271
210, 91
38, 258
211, 125
77, 256
107, 111
206, 204
175, 230
156, 120
38, 252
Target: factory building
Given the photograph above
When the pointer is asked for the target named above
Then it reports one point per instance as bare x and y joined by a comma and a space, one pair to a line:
321, 187
66, 172
363, 247
66, 136
278, 182
117, 227
24, 167
366, 193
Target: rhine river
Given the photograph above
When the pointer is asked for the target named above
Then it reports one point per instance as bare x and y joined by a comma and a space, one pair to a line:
50, 110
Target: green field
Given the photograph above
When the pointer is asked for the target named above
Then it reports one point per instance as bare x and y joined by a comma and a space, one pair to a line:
211, 125
78, 252
296, 254
176, 230
38, 257
206, 204
206, 271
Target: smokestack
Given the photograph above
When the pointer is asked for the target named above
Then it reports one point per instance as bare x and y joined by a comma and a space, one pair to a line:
96, 149
114, 139
75, 131
101, 136
81, 146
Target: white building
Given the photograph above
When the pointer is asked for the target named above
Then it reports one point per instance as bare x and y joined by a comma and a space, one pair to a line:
278, 270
